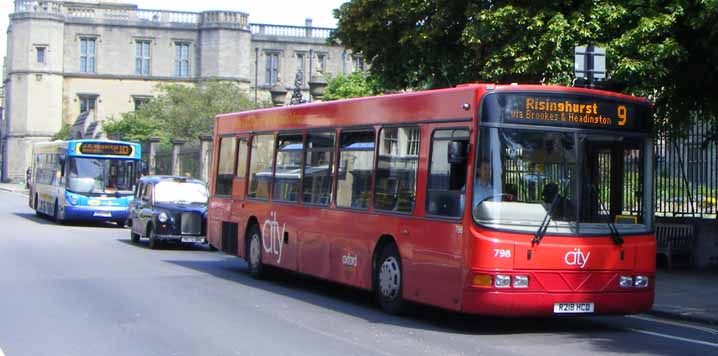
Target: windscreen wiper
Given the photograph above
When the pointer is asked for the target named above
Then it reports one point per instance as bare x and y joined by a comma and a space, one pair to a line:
547, 219
615, 235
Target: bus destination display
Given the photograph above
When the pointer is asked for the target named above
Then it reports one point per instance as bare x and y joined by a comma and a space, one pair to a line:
567, 111
115, 149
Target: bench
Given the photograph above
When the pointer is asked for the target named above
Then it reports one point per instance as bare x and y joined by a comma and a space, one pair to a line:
674, 240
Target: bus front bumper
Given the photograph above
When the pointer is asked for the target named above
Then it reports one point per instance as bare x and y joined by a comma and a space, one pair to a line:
97, 213
506, 303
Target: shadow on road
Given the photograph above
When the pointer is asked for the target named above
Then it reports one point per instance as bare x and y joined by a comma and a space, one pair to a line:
47, 220
144, 243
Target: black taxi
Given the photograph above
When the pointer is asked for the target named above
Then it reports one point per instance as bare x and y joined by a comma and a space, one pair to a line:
169, 209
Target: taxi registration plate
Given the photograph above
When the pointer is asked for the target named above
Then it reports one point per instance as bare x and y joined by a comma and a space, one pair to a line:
571, 308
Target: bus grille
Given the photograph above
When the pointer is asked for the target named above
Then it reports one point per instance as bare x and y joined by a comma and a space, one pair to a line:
191, 224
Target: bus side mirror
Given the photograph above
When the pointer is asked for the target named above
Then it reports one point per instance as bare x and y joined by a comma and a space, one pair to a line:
458, 152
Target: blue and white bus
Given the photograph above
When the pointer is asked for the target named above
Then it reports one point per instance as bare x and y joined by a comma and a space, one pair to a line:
84, 179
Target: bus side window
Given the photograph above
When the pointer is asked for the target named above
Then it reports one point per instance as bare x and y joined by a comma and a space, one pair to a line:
356, 162
317, 176
289, 163
225, 166
445, 193
396, 169
260, 166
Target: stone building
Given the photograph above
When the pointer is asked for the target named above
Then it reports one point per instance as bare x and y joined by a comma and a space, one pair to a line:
81, 62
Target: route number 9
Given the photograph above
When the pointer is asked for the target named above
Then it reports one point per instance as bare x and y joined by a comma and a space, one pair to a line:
622, 114
500, 253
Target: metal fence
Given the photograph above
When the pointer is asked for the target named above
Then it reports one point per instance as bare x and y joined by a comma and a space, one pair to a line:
189, 160
686, 179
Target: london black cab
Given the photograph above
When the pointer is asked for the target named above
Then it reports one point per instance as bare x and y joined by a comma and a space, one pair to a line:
169, 209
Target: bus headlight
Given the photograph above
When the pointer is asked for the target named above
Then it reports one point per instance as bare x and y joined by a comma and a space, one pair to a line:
521, 281
163, 217
71, 198
502, 281
625, 282
641, 282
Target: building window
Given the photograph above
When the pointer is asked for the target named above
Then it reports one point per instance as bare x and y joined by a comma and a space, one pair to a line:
140, 101
322, 59
87, 103
391, 140
358, 63
142, 57
182, 59
87, 55
412, 147
300, 67
40, 54
271, 66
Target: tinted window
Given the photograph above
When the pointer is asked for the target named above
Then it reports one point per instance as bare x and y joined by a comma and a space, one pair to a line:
318, 161
225, 167
446, 188
260, 166
356, 162
395, 188
289, 164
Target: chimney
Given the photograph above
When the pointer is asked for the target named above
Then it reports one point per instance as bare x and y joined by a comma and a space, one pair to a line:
308, 22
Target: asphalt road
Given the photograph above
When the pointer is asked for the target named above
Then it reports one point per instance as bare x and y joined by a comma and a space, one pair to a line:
86, 290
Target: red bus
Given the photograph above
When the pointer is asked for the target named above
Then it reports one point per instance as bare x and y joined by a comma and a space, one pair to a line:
490, 199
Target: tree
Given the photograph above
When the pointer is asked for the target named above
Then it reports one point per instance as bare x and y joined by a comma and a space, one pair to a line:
348, 86
665, 50
181, 111
63, 134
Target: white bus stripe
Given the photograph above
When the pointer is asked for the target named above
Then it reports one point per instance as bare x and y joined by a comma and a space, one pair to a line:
700, 342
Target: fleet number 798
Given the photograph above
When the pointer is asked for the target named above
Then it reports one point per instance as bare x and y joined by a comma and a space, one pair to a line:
501, 253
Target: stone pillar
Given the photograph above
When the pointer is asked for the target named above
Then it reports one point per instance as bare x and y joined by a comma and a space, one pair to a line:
205, 156
317, 87
154, 147
279, 94
176, 148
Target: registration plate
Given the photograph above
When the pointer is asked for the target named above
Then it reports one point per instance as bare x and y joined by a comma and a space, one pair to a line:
102, 214
569, 308
191, 239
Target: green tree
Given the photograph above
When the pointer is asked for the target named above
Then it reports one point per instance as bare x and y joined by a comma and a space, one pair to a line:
63, 134
181, 111
348, 86
665, 50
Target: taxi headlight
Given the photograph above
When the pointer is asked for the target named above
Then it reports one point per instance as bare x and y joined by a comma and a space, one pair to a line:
163, 217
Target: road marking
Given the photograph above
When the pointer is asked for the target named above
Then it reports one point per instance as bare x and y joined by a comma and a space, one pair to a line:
1, 353
675, 323
706, 343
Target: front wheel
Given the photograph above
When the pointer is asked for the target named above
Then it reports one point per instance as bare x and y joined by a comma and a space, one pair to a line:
135, 238
56, 215
154, 241
254, 246
388, 280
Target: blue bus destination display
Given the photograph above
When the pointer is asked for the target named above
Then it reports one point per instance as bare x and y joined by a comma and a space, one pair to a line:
105, 148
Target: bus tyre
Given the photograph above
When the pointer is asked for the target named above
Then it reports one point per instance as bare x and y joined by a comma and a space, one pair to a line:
56, 214
254, 255
37, 212
388, 280
154, 241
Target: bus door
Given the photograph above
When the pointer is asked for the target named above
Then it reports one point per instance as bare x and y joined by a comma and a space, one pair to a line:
612, 181
238, 213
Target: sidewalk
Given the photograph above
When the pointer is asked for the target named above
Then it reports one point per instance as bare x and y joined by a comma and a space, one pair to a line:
13, 187
685, 295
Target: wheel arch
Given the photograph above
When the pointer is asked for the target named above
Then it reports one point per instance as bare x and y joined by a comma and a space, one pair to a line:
245, 243
383, 241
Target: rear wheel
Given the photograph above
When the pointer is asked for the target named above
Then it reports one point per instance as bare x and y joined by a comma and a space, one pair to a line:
388, 280
254, 255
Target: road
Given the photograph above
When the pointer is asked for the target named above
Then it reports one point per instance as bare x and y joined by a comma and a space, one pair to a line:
86, 290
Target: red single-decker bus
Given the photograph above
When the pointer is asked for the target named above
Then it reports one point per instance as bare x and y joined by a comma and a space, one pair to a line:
489, 199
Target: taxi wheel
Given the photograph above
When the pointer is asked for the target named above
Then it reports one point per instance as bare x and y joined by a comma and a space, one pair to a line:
388, 281
254, 252
135, 238
154, 241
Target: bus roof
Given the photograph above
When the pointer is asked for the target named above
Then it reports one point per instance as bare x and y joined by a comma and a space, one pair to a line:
438, 105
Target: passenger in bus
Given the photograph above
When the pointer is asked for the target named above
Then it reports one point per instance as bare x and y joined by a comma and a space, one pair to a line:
482, 186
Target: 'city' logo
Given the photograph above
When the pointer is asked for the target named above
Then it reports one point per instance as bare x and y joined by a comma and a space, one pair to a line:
349, 260
272, 242
576, 258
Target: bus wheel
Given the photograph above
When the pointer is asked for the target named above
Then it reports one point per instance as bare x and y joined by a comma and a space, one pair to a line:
37, 212
56, 214
254, 257
154, 241
388, 280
